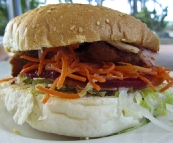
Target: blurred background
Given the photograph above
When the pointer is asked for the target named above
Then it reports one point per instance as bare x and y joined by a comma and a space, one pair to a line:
157, 14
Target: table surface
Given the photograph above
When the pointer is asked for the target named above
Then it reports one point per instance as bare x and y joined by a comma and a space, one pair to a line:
5, 69
165, 56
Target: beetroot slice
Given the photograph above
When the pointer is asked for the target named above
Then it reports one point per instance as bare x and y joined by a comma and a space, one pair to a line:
136, 83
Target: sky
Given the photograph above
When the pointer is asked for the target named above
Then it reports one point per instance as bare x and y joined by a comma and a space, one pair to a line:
123, 6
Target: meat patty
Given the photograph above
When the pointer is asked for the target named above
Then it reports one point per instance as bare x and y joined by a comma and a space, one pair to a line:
99, 51
17, 63
103, 51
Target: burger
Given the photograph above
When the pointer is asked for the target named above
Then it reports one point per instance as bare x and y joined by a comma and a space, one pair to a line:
84, 71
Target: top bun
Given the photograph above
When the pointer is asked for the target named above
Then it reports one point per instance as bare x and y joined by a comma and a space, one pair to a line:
65, 24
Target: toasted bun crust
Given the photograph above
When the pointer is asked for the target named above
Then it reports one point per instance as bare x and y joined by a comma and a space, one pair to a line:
64, 24
84, 117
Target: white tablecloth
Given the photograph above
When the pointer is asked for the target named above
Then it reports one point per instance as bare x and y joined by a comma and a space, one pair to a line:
5, 69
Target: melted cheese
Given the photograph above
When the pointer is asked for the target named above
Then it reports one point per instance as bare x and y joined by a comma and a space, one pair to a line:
124, 47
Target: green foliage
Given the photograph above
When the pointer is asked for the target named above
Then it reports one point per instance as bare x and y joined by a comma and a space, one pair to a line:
153, 20
169, 26
4, 12
3, 22
69, 1
33, 4
3, 16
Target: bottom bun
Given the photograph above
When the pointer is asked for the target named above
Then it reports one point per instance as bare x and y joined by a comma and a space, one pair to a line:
84, 117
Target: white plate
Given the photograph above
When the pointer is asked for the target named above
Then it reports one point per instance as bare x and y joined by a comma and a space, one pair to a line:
149, 133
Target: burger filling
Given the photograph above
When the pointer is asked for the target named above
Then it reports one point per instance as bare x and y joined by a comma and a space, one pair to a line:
100, 67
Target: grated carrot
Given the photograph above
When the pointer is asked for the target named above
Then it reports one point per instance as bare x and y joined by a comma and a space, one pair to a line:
29, 58
52, 67
28, 65
43, 57
72, 47
90, 80
47, 96
74, 63
36, 60
111, 67
71, 65
76, 77
147, 81
98, 78
63, 73
167, 86
59, 94
6, 79
163, 73
131, 68
29, 69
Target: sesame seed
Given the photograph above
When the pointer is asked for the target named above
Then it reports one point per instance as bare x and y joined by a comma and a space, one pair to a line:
123, 112
52, 7
90, 10
80, 30
49, 11
16, 131
122, 14
72, 27
107, 20
40, 11
123, 39
98, 22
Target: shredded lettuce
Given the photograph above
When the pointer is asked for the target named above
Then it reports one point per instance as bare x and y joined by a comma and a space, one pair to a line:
156, 102
148, 104
43, 81
137, 104
84, 91
141, 103
23, 79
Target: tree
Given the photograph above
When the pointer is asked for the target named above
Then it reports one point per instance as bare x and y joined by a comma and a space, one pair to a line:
25, 4
143, 4
133, 7
153, 20
71, 1
89, 1
3, 16
30, 4
99, 2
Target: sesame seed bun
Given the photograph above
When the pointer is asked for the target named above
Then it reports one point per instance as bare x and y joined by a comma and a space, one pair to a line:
65, 24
